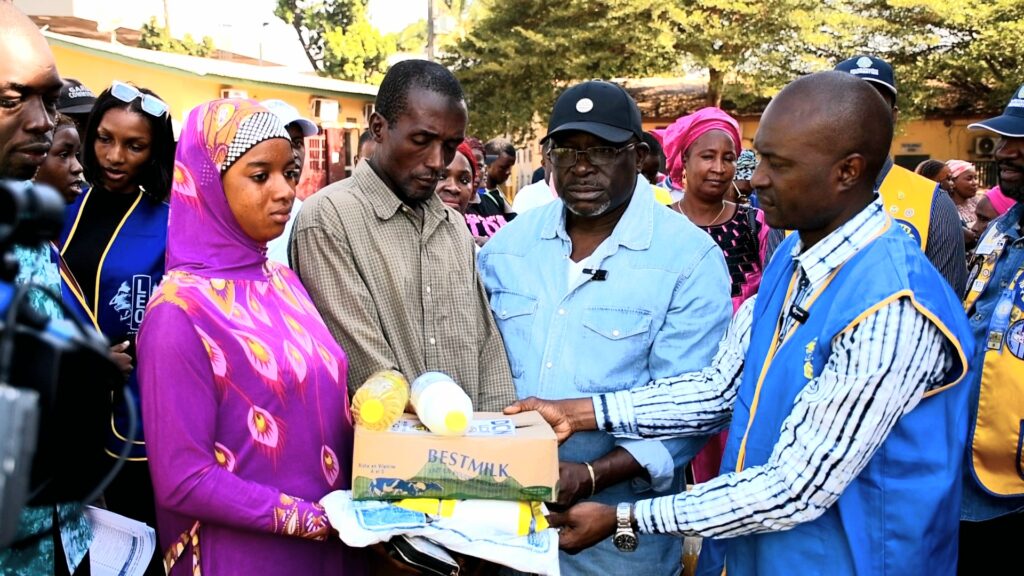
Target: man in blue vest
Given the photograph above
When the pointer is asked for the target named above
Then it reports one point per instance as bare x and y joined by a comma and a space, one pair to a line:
840, 379
993, 501
919, 205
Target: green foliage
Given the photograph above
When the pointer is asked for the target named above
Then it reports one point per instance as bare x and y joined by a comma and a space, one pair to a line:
522, 53
412, 38
962, 56
338, 38
157, 37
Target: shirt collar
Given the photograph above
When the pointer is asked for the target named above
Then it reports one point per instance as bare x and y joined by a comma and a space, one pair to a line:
635, 230
384, 201
886, 167
834, 250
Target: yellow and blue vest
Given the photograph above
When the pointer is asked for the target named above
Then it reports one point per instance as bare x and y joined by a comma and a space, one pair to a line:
899, 516
129, 270
907, 198
994, 468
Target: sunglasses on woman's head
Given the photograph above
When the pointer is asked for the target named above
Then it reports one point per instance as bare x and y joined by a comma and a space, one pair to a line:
127, 93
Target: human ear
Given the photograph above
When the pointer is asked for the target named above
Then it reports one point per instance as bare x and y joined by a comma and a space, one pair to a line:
378, 124
642, 150
850, 170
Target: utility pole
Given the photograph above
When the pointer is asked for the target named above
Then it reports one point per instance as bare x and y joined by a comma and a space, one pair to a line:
430, 30
167, 19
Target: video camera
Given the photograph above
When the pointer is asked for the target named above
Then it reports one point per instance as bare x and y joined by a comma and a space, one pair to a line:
56, 378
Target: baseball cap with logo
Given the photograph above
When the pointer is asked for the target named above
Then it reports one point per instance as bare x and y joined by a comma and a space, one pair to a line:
289, 114
75, 98
1011, 122
600, 108
871, 69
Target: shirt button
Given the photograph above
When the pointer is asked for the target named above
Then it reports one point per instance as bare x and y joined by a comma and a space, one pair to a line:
432, 341
979, 316
615, 332
561, 311
549, 365
428, 289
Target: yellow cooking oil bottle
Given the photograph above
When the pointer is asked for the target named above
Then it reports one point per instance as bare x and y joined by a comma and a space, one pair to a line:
381, 400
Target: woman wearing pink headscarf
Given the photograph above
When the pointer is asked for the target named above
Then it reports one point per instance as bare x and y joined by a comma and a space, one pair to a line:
701, 150
992, 205
965, 195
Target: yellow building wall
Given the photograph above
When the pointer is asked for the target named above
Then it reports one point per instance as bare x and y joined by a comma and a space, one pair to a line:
183, 91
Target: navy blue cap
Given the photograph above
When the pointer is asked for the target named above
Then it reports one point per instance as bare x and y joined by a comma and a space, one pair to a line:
597, 107
1011, 122
871, 69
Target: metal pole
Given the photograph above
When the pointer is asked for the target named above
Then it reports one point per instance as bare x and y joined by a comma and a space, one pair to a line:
430, 30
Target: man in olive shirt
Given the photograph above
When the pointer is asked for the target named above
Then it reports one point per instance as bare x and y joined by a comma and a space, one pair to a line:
390, 268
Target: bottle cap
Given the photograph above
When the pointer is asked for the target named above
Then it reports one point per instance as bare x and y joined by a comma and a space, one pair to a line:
456, 422
371, 411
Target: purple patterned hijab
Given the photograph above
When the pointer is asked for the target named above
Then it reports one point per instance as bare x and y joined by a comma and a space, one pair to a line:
215, 135
253, 426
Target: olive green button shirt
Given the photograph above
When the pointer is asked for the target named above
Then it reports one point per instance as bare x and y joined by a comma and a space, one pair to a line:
399, 289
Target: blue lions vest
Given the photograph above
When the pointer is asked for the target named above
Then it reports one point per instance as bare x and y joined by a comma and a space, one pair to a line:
900, 515
129, 270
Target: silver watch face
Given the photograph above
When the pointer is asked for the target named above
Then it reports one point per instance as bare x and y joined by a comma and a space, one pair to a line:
625, 541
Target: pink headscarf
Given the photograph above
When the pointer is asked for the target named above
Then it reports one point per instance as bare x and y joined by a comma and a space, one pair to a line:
958, 167
678, 137
1000, 202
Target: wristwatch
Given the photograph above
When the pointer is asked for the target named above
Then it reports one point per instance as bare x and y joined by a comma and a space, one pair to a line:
625, 537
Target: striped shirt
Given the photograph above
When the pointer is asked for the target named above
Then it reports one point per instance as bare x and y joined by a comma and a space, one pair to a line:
876, 373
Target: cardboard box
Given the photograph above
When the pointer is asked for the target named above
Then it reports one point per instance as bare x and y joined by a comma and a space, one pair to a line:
500, 458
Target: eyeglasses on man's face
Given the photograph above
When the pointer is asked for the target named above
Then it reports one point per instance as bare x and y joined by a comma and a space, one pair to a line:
597, 155
127, 93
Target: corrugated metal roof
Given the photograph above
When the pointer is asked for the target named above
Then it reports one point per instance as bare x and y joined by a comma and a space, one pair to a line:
279, 77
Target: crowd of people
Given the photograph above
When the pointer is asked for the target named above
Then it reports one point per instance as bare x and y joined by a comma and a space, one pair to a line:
810, 356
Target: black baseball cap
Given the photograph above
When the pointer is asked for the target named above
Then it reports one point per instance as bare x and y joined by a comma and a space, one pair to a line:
871, 69
1011, 122
597, 107
75, 98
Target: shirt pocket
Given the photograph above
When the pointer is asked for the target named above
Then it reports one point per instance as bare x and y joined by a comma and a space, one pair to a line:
613, 349
514, 314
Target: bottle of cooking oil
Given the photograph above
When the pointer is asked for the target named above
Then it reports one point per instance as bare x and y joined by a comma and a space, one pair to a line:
381, 400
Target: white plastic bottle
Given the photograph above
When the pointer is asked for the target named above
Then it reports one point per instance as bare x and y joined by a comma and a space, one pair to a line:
442, 406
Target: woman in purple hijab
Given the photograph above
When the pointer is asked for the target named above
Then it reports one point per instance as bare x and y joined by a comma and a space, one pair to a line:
243, 388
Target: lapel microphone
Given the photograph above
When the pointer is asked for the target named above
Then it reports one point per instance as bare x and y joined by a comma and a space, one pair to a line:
799, 314
596, 275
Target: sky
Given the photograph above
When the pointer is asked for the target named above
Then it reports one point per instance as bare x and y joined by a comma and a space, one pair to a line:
394, 15
237, 25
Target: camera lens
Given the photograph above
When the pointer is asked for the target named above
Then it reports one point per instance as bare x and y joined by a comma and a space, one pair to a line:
30, 214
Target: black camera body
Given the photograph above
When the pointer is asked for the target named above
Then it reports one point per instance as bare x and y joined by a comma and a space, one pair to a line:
56, 378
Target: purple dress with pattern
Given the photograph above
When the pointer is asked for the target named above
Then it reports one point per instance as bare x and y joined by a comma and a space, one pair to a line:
243, 387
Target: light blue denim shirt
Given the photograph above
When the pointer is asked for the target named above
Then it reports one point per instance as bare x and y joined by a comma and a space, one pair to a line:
662, 309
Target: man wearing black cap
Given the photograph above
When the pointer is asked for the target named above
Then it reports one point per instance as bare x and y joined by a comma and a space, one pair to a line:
917, 204
602, 291
993, 501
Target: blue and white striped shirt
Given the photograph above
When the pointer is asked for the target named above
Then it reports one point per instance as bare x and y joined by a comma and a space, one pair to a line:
877, 372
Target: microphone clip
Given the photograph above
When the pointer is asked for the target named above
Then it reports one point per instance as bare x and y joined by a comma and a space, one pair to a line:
799, 314
597, 275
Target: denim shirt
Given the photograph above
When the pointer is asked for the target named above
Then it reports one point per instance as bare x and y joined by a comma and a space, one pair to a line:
977, 504
660, 311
